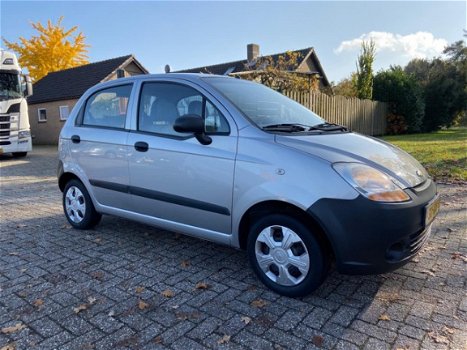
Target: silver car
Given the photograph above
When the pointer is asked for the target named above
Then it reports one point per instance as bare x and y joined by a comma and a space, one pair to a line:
236, 163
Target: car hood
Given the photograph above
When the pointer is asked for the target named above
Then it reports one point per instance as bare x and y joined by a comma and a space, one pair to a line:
352, 147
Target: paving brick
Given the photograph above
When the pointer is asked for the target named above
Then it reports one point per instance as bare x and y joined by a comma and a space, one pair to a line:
317, 317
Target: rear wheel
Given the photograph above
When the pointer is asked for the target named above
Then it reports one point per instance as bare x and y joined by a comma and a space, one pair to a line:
78, 206
285, 255
19, 154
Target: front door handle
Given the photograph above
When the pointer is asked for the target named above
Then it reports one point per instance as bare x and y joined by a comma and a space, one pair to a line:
141, 146
75, 139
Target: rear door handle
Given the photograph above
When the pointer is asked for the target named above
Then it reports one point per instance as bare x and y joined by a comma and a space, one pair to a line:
75, 139
141, 146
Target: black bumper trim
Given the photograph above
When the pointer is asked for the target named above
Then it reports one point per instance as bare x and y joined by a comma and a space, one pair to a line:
370, 237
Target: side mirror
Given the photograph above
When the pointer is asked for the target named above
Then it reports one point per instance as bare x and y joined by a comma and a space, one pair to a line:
195, 124
28, 90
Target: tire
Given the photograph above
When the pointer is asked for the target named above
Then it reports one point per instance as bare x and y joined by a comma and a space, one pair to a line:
78, 207
19, 154
286, 256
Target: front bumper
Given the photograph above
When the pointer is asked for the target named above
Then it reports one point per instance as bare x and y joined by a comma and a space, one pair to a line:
16, 145
370, 237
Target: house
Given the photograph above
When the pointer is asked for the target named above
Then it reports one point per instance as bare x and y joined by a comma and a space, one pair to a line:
308, 65
56, 93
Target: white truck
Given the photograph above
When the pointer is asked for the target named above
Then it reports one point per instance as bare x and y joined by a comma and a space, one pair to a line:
15, 134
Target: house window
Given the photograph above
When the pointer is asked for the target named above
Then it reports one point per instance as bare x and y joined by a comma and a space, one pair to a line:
64, 112
42, 115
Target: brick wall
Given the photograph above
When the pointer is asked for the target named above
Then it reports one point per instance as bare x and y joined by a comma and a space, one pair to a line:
46, 133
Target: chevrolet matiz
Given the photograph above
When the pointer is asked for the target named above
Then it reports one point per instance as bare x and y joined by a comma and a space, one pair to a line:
234, 162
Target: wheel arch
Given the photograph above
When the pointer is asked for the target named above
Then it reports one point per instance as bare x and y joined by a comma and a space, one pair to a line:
65, 178
280, 207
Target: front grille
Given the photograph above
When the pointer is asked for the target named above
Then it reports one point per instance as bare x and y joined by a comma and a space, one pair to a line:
6, 125
416, 240
4, 143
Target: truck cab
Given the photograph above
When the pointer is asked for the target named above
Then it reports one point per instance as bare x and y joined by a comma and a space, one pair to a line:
15, 134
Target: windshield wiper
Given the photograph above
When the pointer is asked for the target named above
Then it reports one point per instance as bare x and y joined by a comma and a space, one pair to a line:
329, 127
286, 127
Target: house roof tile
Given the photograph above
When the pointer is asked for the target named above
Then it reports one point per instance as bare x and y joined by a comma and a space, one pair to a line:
73, 82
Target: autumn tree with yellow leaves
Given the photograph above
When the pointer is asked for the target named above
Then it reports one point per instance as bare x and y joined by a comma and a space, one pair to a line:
53, 48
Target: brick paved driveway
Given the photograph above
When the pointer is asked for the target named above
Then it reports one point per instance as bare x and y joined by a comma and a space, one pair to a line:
126, 285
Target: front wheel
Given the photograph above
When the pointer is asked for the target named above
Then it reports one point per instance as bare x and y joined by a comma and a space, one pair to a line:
78, 206
285, 255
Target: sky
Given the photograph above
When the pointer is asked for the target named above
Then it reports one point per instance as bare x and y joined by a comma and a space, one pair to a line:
192, 34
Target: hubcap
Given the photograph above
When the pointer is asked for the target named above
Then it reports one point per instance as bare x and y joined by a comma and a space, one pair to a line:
282, 255
75, 204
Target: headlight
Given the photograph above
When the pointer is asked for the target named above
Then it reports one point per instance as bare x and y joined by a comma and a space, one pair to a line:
24, 134
371, 183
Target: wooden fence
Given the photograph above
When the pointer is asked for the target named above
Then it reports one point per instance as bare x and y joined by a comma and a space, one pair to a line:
363, 116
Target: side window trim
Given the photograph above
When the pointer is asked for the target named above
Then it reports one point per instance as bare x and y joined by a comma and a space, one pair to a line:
181, 137
79, 121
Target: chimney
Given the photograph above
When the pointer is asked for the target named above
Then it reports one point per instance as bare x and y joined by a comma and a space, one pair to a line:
252, 51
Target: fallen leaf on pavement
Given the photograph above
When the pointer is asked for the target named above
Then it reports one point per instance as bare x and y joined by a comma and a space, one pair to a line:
98, 275
185, 263
447, 330
317, 340
158, 340
202, 285
111, 313
98, 240
384, 317
246, 319
13, 253
17, 327
428, 272
80, 308
9, 346
168, 293
437, 338
139, 290
38, 302
259, 303
91, 300
21, 225
458, 255
224, 340
142, 305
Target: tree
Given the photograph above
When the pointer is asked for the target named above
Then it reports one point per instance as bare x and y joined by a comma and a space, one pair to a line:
419, 69
280, 74
365, 70
347, 86
52, 49
404, 93
444, 85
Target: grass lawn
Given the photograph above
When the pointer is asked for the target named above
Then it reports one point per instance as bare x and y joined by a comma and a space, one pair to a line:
442, 153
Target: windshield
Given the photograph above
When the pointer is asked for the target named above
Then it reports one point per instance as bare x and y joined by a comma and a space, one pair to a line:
262, 105
10, 86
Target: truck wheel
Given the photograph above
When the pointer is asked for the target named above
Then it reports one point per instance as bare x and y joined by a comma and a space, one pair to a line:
19, 154
285, 255
78, 207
